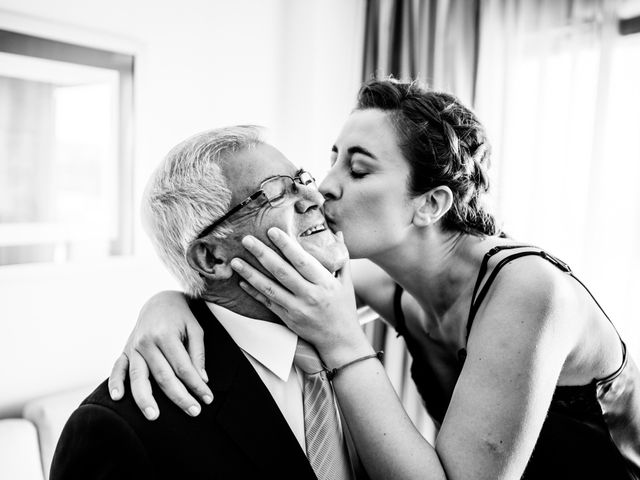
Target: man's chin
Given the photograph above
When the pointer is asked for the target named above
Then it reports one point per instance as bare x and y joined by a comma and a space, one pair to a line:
327, 250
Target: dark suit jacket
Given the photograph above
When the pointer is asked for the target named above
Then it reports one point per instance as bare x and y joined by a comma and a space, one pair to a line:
242, 434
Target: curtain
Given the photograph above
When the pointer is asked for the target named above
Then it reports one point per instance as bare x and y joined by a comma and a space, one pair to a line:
557, 86
434, 41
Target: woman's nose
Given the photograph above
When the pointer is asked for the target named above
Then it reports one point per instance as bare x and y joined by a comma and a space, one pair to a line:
329, 188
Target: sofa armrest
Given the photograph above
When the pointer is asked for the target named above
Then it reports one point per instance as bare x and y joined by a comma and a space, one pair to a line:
19, 450
49, 415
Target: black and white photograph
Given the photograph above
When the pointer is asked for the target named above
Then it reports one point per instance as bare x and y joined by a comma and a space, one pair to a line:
320, 239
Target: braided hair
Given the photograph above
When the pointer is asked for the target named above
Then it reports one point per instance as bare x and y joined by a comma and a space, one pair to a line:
443, 142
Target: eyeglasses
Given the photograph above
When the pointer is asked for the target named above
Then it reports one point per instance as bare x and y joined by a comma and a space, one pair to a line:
275, 189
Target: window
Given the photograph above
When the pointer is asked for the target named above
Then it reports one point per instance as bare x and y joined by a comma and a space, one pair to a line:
65, 151
562, 103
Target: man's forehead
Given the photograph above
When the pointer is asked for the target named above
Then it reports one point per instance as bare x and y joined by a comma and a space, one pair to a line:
247, 169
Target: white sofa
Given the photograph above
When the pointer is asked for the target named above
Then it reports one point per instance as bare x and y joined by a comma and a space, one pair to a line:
27, 444
61, 328
19, 451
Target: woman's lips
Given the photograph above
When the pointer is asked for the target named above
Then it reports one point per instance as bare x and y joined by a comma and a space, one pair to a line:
328, 217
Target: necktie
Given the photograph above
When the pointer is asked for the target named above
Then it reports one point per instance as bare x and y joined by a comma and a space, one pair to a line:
325, 447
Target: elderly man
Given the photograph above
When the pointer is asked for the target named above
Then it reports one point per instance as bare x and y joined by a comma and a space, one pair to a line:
273, 414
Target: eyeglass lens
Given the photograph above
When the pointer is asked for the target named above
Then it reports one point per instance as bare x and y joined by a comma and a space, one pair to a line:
275, 189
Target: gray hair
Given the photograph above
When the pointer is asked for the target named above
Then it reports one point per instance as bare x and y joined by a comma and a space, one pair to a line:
188, 192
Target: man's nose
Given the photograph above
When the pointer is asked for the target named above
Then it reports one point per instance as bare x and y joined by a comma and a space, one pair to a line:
308, 197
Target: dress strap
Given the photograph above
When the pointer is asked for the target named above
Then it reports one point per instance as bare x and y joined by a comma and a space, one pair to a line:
624, 347
397, 311
485, 262
478, 297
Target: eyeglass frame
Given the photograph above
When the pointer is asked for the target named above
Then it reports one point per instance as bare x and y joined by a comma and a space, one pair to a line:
255, 195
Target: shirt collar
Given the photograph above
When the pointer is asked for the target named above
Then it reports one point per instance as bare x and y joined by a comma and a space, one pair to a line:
271, 344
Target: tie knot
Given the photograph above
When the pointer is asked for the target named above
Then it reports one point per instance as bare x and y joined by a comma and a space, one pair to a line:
307, 358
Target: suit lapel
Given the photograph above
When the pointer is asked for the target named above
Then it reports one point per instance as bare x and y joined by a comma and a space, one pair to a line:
252, 418
246, 410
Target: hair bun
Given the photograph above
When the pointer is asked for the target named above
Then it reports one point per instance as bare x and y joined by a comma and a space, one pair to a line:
443, 142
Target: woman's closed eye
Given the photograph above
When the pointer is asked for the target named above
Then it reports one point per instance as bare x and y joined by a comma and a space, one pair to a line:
357, 172
358, 168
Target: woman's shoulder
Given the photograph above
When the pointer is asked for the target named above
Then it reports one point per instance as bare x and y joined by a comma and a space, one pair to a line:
518, 267
535, 301
525, 277
527, 295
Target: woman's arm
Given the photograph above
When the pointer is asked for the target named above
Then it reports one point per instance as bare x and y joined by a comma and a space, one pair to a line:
321, 308
167, 342
515, 354
520, 341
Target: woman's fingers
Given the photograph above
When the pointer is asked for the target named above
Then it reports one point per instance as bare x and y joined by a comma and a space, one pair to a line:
141, 386
302, 261
168, 382
117, 377
274, 263
309, 269
273, 292
274, 307
195, 347
182, 366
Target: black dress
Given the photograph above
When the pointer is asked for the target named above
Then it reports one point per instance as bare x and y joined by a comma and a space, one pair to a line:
591, 431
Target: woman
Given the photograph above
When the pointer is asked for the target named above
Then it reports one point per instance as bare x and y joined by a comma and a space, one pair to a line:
515, 361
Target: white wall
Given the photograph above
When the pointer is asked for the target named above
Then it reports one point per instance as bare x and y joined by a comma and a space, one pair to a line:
63, 326
321, 70
290, 65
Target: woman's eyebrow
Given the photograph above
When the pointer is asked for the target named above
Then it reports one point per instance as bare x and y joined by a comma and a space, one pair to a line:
361, 150
356, 149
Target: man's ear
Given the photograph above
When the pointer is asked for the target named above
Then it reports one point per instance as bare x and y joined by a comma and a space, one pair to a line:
209, 259
432, 206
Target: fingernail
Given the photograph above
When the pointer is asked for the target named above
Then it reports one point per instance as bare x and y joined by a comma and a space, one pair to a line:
204, 375
243, 285
248, 241
150, 413
207, 399
194, 410
274, 233
236, 264
115, 394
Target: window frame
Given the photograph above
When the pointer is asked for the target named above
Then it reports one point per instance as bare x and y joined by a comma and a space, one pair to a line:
25, 44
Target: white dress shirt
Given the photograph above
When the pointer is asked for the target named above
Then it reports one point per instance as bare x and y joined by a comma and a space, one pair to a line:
270, 349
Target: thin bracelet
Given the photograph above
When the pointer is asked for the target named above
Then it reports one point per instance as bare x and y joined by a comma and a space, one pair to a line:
334, 371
